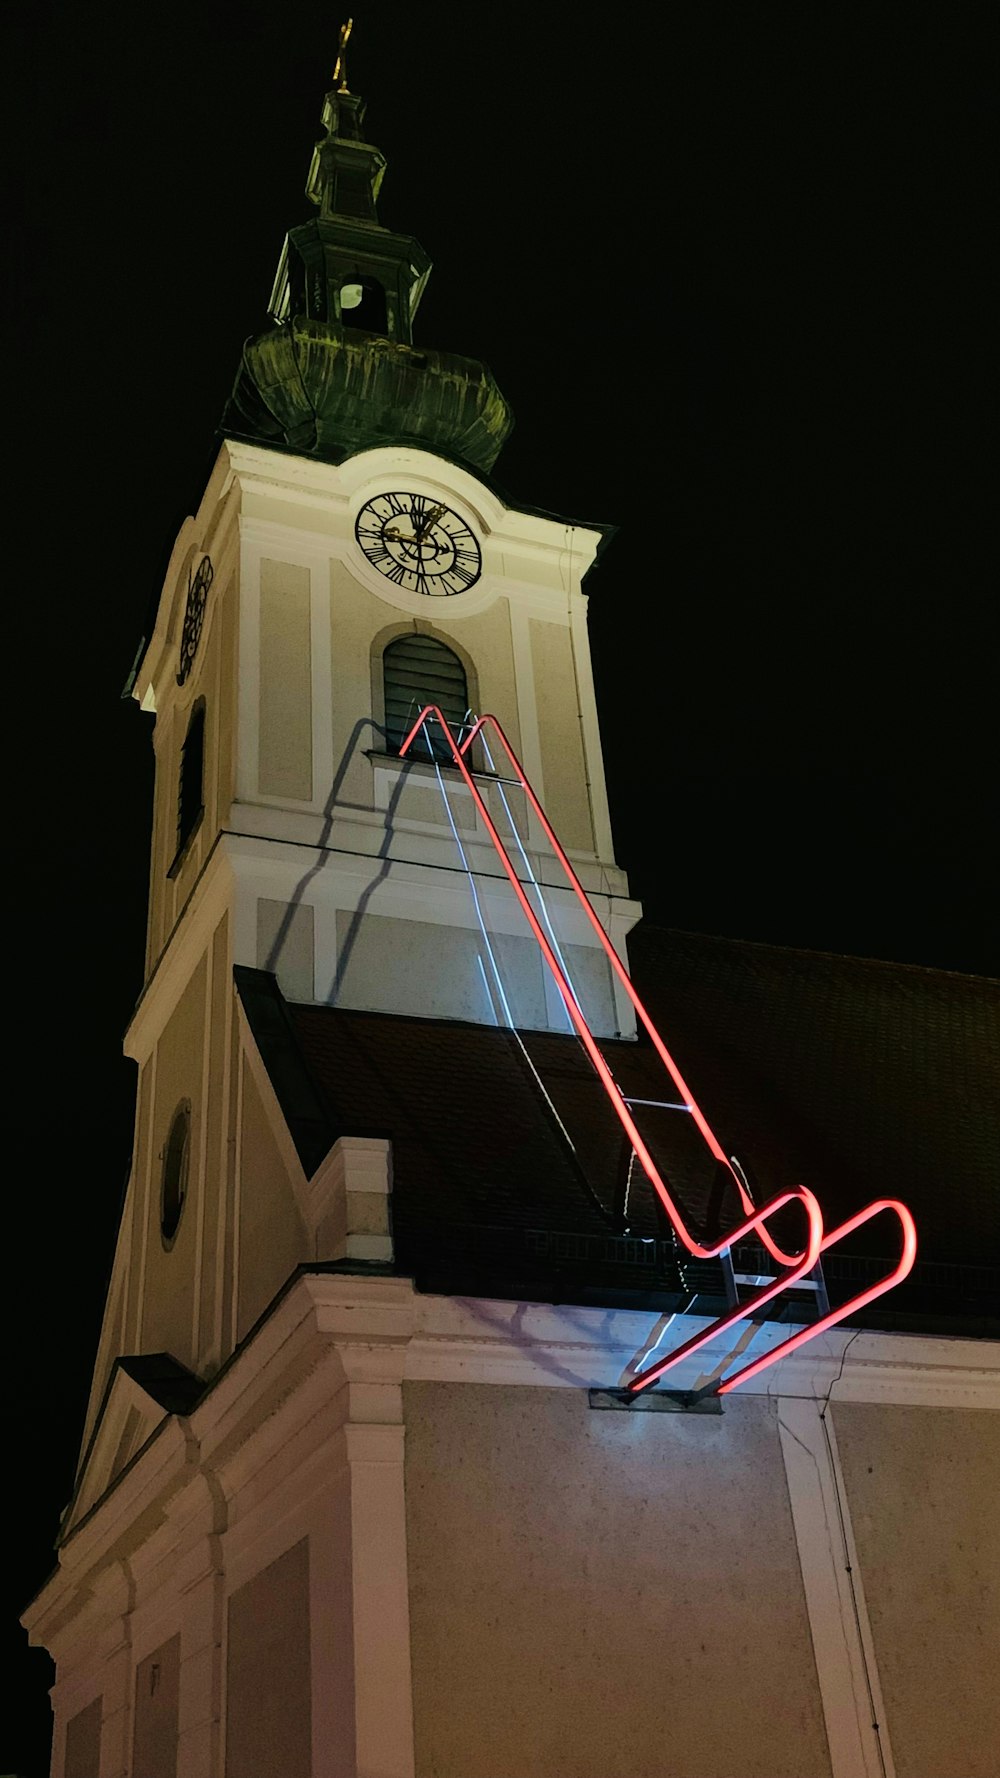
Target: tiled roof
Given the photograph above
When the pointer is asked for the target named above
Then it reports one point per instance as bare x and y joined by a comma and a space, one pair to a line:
881, 1079
860, 1079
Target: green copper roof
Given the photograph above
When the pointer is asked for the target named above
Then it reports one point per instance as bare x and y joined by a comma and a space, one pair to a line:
337, 371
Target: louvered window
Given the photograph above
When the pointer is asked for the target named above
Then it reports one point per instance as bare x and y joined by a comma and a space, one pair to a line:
420, 670
190, 789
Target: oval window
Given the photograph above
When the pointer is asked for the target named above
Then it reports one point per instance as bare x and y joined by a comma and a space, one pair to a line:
173, 1186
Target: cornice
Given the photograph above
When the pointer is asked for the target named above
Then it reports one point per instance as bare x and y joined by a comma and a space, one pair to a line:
342, 487
263, 831
334, 1350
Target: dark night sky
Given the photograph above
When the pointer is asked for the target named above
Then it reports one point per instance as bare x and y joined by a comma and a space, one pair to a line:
731, 266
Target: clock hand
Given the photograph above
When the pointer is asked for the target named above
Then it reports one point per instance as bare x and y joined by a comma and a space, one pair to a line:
394, 535
430, 518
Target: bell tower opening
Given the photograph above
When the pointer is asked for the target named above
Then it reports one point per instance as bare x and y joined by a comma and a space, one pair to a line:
191, 784
363, 305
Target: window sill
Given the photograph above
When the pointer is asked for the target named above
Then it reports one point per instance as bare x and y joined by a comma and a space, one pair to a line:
426, 768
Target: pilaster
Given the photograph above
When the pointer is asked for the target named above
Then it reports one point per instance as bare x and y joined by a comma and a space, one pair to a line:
201, 1589
383, 1702
113, 1601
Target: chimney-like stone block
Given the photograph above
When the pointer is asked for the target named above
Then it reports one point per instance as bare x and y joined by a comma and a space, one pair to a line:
348, 1200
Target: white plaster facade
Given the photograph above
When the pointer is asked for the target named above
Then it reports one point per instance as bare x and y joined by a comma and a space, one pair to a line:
337, 863
304, 1438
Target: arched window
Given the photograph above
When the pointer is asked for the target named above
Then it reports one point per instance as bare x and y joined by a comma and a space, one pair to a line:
419, 670
191, 787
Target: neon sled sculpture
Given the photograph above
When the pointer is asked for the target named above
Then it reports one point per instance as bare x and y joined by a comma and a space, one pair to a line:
790, 1267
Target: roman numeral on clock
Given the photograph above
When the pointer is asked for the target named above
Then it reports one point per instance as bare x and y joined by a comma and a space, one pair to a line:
440, 554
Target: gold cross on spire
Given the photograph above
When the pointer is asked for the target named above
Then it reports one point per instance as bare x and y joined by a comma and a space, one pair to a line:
340, 65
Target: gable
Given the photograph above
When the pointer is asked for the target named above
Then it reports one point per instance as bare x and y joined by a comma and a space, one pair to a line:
141, 1394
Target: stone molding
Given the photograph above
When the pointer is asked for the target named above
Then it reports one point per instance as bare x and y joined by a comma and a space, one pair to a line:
302, 1434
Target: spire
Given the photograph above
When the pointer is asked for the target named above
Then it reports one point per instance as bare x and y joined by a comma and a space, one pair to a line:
339, 76
346, 171
328, 266
338, 372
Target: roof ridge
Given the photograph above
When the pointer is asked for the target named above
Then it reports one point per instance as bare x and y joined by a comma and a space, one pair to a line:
761, 944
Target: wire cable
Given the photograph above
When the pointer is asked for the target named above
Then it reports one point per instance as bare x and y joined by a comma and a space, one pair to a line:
492, 956
542, 906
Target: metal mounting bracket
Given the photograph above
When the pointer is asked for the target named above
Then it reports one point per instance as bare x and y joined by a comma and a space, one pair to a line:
656, 1401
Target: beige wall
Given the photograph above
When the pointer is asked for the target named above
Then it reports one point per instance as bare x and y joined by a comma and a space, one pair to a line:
272, 1239
83, 1743
413, 798
427, 970
268, 1695
284, 761
286, 945
566, 802
922, 1487
486, 642
356, 615
219, 1161
590, 973
602, 1595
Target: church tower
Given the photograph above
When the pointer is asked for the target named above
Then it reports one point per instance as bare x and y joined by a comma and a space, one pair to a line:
349, 562
362, 1493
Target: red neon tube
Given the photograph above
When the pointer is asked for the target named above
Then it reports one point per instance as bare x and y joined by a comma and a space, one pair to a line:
795, 1266
754, 1216
896, 1276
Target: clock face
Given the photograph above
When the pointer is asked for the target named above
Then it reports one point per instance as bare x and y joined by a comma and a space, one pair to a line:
194, 616
418, 544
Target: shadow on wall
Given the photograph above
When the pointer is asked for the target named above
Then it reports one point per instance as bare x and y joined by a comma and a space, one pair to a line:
273, 958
